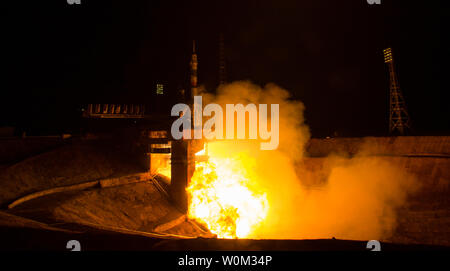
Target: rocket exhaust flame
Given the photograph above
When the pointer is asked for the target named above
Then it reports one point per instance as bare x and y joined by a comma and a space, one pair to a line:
223, 197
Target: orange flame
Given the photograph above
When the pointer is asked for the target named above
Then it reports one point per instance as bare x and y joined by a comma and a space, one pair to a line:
222, 197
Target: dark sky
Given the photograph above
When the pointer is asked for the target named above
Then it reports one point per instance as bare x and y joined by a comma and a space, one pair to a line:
327, 53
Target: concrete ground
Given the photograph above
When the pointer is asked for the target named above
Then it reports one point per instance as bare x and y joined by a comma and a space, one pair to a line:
140, 216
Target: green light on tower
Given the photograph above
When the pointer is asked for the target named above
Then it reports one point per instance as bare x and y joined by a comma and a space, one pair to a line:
159, 89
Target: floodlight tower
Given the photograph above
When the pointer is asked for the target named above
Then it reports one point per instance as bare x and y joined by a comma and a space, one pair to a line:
398, 115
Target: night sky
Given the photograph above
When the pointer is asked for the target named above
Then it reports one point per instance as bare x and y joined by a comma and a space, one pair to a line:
327, 53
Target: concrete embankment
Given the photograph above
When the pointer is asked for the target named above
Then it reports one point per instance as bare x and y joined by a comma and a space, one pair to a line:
426, 217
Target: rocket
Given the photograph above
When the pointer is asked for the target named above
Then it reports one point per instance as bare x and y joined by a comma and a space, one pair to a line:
194, 67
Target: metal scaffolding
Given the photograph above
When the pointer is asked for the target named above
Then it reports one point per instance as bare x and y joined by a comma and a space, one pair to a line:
222, 62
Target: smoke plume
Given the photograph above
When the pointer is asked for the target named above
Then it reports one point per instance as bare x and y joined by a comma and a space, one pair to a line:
353, 198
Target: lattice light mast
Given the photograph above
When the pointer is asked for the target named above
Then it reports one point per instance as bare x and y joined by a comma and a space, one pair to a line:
398, 115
